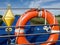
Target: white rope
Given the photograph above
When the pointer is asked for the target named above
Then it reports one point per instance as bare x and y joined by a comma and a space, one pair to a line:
45, 17
45, 27
40, 14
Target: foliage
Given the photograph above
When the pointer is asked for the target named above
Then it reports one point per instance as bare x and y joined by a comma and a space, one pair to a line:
1, 20
41, 20
57, 15
37, 21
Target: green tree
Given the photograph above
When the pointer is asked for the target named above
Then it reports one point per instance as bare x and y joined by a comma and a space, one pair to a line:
1, 20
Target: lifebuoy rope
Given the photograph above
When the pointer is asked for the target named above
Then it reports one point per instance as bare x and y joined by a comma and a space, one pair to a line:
45, 17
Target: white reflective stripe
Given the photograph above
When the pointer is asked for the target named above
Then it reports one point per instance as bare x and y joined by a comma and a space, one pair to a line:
40, 14
55, 31
19, 31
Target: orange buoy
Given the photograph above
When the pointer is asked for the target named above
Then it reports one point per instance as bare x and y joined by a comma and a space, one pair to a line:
31, 14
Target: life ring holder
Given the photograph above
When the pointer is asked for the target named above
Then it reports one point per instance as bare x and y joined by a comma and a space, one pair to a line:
34, 13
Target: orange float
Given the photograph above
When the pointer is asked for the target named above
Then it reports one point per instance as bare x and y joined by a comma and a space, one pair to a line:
31, 14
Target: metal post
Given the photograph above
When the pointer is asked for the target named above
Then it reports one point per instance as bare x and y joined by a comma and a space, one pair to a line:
8, 31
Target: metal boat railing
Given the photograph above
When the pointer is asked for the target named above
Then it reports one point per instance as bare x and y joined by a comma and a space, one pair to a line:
4, 36
30, 8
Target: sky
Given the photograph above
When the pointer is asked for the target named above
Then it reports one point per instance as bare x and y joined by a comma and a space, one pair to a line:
30, 4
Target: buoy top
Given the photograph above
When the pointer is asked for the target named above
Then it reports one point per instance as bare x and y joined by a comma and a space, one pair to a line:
8, 18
